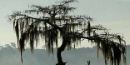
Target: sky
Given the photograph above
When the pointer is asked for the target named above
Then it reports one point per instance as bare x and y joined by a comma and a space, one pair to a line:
113, 14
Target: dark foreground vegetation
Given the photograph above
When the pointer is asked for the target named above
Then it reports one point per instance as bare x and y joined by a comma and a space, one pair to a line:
55, 22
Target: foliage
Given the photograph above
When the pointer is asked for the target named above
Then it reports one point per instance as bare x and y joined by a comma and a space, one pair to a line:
54, 22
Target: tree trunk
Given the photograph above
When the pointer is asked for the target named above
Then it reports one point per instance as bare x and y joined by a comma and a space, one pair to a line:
59, 51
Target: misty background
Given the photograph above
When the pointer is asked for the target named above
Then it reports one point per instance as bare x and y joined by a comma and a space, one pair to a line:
10, 55
113, 14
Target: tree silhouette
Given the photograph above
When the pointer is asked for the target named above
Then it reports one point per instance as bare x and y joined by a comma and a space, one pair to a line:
54, 22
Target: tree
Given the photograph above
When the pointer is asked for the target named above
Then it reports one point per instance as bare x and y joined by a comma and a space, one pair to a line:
53, 22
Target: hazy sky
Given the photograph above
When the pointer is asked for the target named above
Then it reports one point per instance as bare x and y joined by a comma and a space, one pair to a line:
113, 14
